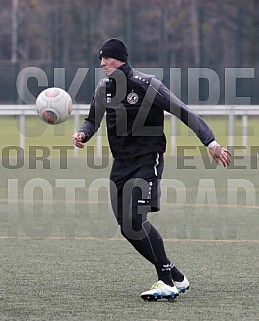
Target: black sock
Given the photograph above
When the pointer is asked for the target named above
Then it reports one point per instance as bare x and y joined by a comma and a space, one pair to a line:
152, 248
176, 274
164, 272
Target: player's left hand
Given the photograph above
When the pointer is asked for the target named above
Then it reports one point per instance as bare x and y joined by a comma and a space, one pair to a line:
221, 155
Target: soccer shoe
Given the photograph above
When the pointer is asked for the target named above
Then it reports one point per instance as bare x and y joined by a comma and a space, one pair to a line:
182, 286
160, 290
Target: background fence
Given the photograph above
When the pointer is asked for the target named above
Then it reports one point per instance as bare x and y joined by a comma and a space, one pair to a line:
231, 112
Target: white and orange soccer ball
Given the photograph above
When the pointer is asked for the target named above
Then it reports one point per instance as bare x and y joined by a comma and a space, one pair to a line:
54, 105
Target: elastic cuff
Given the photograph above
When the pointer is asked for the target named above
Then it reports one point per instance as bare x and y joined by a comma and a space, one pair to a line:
212, 144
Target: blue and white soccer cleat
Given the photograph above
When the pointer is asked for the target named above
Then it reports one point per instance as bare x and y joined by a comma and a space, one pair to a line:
182, 286
160, 290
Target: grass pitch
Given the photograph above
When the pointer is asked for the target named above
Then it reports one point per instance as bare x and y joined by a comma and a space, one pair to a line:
102, 279
62, 256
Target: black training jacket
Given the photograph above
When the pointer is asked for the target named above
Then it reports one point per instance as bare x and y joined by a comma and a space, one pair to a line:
134, 104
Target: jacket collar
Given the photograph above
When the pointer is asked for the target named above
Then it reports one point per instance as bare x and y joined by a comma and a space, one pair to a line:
125, 68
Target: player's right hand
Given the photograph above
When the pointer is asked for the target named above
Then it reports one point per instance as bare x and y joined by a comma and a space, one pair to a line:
78, 138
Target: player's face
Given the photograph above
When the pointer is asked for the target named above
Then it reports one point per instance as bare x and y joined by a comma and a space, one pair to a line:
110, 64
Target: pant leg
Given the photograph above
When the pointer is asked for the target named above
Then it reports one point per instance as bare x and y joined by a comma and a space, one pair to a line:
134, 193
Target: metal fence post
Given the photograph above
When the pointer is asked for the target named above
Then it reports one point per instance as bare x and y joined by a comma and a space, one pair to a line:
22, 133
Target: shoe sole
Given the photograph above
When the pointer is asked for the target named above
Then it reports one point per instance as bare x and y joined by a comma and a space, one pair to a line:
155, 298
182, 290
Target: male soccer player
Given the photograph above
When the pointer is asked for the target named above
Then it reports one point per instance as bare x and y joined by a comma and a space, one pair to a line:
134, 103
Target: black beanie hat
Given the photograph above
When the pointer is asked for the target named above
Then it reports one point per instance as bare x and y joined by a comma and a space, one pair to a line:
114, 48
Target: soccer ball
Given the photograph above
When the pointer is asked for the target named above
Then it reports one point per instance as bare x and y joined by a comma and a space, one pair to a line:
54, 105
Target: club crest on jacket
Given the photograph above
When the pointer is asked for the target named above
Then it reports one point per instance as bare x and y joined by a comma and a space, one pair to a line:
132, 98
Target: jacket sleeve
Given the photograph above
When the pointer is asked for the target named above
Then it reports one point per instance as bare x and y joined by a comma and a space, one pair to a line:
97, 109
165, 99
